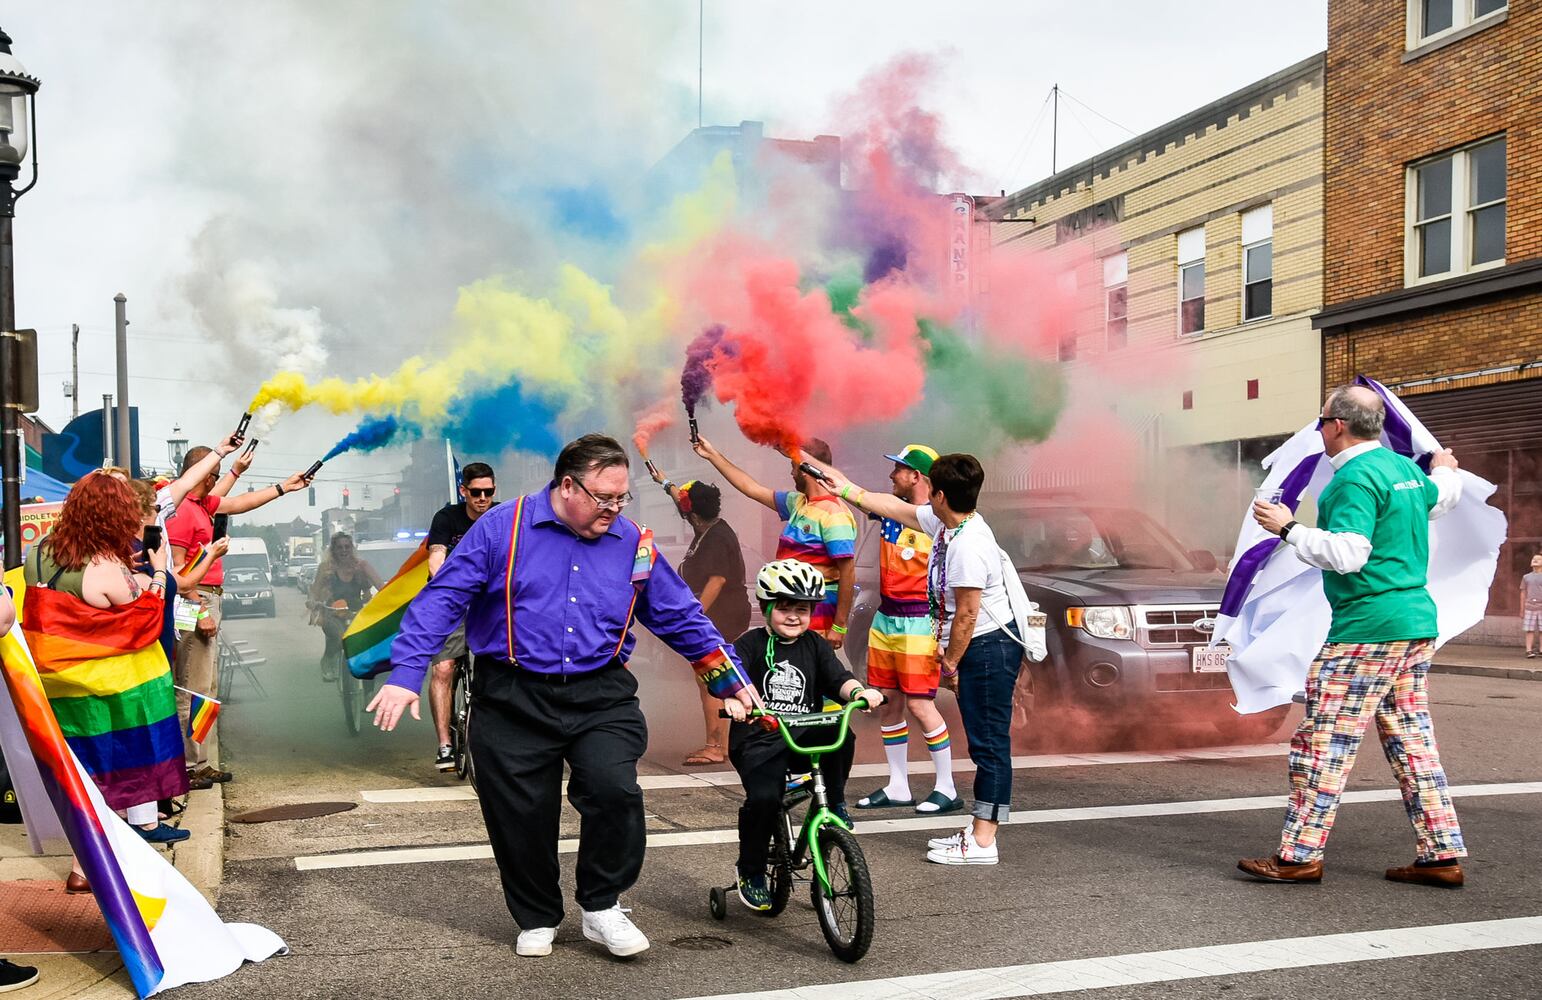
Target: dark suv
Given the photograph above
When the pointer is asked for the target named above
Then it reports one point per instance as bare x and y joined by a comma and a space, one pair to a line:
1130, 615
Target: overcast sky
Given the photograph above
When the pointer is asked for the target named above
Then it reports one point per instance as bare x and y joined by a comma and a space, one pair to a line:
180, 139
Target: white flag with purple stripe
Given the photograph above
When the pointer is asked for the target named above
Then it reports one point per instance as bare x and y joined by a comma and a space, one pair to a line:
1274, 615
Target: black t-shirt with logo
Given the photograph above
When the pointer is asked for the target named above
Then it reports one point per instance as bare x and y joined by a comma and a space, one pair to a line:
449, 526
717, 553
800, 676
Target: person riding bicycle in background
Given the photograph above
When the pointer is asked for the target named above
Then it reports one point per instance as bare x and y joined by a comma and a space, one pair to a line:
449, 526
343, 584
795, 670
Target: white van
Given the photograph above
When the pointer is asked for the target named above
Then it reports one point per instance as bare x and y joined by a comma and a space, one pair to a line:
248, 553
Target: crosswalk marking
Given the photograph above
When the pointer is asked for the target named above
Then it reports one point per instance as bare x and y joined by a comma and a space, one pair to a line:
1144, 968
1078, 814
719, 779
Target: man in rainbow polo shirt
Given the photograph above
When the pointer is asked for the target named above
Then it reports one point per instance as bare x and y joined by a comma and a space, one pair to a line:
902, 646
819, 531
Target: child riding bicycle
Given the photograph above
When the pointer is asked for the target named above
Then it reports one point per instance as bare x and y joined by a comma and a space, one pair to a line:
795, 670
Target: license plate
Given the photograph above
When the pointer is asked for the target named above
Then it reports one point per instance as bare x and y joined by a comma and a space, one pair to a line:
252, 600
1210, 660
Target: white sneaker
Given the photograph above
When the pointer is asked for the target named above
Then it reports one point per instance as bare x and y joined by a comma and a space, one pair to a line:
615, 930
938, 843
535, 943
963, 851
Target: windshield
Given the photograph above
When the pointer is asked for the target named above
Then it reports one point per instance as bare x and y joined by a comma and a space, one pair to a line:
1087, 538
250, 576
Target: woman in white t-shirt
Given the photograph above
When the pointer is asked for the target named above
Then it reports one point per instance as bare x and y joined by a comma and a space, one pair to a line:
979, 656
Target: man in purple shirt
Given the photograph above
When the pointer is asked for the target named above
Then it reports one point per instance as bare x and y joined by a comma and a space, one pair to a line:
549, 586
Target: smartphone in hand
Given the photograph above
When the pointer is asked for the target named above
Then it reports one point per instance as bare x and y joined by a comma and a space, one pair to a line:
152, 538
221, 527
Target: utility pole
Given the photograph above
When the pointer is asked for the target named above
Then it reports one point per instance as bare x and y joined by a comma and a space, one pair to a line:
125, 443
74, 370
1054, 129
10, 451
701, 35
108, 451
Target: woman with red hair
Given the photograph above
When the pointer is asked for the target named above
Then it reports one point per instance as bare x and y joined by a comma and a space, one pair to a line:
94, 626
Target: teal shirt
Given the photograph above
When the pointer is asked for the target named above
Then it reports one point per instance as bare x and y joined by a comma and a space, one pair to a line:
1387, 498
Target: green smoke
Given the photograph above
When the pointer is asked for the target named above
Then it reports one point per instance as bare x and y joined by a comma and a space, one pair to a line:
986, 389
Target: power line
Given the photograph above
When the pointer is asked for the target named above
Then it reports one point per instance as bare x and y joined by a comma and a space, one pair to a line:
1098, 113
1026, 145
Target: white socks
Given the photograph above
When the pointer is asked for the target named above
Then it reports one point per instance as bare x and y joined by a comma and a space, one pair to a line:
896, 743
941, 748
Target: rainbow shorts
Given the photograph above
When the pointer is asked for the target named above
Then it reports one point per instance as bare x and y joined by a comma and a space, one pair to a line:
902, 655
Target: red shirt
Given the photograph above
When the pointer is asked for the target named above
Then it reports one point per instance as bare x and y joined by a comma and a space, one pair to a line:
192, 528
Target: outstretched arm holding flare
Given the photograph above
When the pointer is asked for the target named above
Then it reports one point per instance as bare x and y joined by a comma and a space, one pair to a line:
737, 477
879, 502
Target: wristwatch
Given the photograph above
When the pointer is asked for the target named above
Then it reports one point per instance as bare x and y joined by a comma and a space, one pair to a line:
1286, 530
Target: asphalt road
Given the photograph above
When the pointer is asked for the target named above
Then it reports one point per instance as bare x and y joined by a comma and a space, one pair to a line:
1100, 882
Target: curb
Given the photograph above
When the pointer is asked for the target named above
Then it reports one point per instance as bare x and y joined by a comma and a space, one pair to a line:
1474, 670
202, 856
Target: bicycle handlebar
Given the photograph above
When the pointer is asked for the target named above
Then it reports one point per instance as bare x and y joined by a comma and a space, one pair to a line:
786, 722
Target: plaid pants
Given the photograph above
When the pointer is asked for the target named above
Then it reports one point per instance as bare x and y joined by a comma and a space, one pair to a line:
1347, 685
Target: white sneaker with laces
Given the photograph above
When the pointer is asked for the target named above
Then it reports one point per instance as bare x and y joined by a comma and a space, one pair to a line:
963, 851
535, 943
615, 930
938, 843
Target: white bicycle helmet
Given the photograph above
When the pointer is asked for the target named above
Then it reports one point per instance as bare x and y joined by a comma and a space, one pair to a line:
789, 580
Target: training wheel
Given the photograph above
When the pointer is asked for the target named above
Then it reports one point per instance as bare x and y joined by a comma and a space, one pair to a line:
717, 902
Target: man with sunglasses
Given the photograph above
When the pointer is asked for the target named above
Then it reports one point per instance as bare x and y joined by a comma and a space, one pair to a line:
1372, 544
448, 527
550, 585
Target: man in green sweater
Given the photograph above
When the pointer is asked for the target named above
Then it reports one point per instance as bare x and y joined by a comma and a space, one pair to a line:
1372, 544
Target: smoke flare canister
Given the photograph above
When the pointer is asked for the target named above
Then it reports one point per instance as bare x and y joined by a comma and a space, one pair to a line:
808, 468
315, 468
695, 434
653, 470
246, 418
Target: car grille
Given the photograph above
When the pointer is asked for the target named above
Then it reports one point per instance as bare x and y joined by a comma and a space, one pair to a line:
1171, 626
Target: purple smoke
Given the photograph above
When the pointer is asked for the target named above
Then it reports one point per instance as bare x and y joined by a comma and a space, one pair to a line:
696, 377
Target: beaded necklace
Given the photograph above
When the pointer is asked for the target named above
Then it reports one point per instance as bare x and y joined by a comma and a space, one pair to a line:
937, 583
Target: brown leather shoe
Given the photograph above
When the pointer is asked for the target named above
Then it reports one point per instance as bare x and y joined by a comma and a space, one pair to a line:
76, 884
1272, 869
1444, 876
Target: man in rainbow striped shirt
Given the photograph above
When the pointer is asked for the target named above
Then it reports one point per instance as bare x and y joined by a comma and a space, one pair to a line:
902, 646
819, 531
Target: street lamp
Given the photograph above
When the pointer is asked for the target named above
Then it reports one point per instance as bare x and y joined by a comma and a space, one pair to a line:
176, 450
18, 108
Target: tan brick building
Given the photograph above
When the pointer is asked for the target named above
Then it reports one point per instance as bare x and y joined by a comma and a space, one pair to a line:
1433, 252
1207, 238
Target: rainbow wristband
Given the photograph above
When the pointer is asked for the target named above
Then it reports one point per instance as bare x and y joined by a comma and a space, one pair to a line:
719, 674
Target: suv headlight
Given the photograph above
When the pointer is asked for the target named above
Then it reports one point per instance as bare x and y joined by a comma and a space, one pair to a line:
264, 593
1102, 622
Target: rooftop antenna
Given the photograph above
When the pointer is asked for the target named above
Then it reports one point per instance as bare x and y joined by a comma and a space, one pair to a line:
1054, 129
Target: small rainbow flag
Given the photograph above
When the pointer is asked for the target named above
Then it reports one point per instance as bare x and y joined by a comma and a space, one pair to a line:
201, 713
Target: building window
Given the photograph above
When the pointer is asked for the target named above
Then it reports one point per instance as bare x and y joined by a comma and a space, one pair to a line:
1188, 399
1258, 262
1252, 388
1191, 280
1428, 19
1116, 300
1456, 212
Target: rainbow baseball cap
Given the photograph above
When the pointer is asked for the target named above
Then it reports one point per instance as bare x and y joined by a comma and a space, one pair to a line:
917, 456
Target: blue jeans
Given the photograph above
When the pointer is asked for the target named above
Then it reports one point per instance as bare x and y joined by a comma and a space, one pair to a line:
987, 678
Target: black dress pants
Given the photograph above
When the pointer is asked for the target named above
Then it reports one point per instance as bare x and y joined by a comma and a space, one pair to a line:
763, 760
524, 726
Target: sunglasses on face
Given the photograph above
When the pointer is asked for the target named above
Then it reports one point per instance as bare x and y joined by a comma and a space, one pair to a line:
479, 492
1323, 420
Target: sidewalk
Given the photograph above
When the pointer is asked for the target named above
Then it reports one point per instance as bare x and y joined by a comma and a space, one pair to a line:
1487, 661
99, 975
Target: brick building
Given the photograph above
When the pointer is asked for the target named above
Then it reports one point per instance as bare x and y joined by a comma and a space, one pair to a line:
1433, 247
1206, 238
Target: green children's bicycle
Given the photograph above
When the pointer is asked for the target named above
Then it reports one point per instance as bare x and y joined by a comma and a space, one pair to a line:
841, 889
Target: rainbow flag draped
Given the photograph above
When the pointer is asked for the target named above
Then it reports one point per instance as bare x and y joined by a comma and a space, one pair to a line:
367, 643
106, 674
166, 932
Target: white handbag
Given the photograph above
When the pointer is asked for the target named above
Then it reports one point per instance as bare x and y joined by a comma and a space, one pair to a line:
1031, 622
